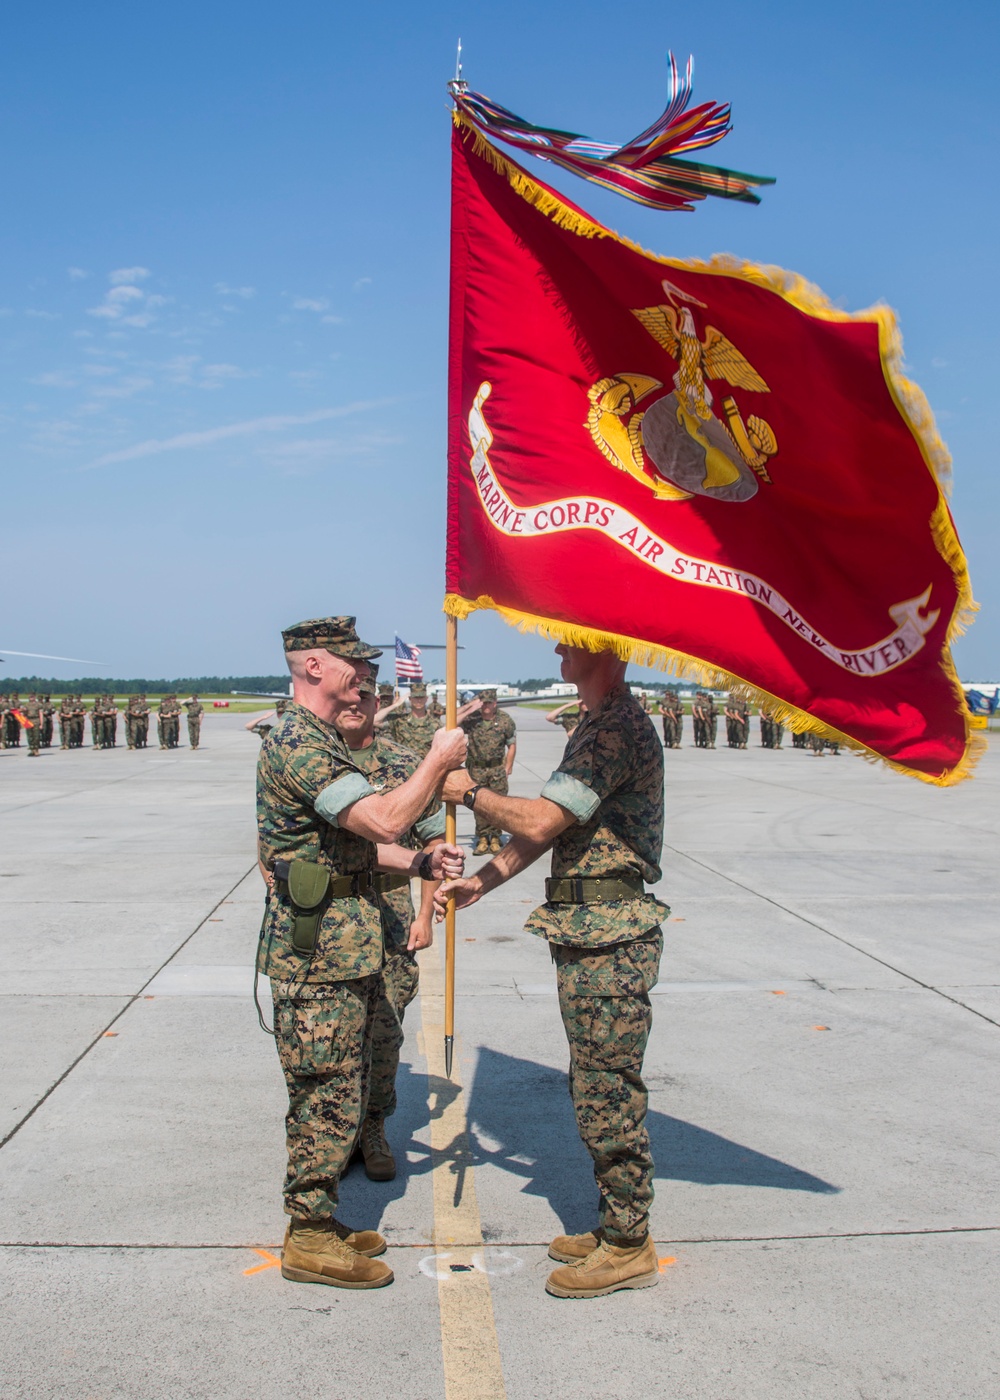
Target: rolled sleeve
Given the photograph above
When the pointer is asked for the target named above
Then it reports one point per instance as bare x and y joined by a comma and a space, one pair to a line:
340, 794
430, 828
574, 796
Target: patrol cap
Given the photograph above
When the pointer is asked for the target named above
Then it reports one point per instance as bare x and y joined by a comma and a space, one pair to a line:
418, 688
386, 688
366, 685
487, 695
336, 635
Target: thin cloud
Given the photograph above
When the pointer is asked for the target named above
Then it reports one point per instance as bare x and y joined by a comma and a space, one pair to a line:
274, 423
224, 290
362, 282
77, 274
127, 274
310, 304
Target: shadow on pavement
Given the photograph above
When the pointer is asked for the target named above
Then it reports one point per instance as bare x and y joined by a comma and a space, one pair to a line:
521, 1120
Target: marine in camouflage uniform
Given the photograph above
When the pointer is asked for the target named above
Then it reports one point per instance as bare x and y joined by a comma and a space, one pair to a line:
705, 720
66, 709
168, 722
97, 722
414, 727
672, 716
737, 721
605, 939
48, 721
110, 722
11, 727
567, 716
387, 765
137, 722
325, 993
770, 730
79, 726
266, 723
195, 711
491, 733
32, 711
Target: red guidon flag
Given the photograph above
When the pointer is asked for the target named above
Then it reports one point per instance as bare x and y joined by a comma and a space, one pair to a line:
702, 464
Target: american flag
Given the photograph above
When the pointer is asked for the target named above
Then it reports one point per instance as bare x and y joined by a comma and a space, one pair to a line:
408, 668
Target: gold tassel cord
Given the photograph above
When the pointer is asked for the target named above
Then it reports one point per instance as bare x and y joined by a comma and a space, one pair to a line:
687, 667
910, 401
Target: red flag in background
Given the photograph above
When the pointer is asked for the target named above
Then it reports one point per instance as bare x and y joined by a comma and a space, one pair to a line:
705, 465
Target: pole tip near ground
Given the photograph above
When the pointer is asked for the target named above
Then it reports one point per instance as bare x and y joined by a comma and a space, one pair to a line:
449, 1046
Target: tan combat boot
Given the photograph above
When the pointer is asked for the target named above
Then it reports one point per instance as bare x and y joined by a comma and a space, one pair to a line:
605, 1270
316, 1252
496, 845
380, 1165
571, 1249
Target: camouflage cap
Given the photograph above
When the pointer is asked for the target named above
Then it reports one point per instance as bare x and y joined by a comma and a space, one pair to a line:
366, 685
418, 688
386, 688
487, 695
336, 635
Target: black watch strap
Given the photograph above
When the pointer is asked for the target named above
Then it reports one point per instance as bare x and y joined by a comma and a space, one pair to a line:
469, 800
424, 871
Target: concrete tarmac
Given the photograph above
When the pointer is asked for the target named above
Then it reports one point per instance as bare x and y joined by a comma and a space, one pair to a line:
823, 1075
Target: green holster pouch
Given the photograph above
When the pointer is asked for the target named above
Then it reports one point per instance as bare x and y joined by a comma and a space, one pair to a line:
308, 885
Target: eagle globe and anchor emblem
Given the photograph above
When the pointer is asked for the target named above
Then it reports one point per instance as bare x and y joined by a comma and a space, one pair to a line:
675, 444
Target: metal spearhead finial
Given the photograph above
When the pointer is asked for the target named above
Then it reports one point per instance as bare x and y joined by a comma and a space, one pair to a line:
449, 1048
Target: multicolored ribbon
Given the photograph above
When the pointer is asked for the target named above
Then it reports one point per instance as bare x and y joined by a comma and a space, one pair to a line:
647, 168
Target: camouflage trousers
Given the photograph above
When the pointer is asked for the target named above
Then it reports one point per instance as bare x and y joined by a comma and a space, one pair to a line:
324, 1039
168, 728
672, 731
35, 736
400, 977
131, 730
604, 1001
496, 780
194, 730
65, 732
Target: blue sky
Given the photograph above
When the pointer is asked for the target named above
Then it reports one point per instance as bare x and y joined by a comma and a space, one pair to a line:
223, 283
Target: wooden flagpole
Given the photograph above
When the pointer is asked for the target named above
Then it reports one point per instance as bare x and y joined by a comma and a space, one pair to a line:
451, 720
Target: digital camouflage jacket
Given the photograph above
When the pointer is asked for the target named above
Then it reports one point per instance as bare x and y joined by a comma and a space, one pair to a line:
306, 776
413, 732
488, 739
611, 779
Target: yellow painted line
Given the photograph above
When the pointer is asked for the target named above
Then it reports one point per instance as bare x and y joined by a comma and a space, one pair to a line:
469, 1347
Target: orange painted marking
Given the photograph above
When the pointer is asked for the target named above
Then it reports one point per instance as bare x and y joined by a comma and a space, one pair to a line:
663, 1264
272, 1263
678, 919
110, 1033
778, 994
821, 1028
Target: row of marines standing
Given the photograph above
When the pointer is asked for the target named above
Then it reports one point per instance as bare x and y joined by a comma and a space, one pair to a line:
37, 715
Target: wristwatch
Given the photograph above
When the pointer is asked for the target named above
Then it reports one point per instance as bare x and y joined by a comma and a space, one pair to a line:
424, 871
469, 800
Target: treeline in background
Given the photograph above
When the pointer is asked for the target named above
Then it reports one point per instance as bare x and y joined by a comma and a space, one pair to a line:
187, 685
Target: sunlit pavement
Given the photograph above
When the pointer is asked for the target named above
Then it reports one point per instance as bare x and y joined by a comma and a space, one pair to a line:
823, 1078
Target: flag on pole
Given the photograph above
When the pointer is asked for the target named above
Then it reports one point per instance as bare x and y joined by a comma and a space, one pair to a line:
704, 465
408, 666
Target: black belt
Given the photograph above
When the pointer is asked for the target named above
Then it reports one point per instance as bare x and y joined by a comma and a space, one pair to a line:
591, 891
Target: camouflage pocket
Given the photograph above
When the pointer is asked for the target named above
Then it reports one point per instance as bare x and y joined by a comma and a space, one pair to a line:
621, 970
608, 1033
313, 1033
